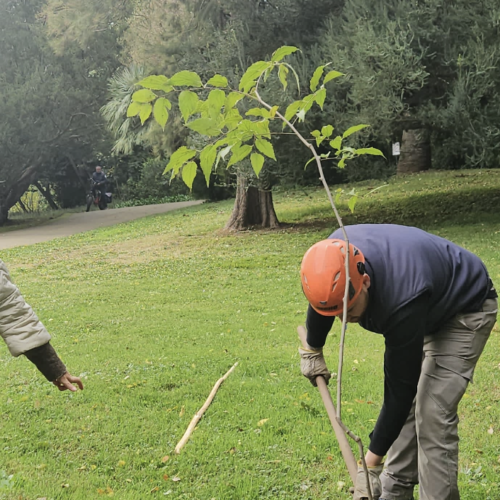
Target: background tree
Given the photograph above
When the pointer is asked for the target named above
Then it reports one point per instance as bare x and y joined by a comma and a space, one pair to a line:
50, 103
424, 72
218, 37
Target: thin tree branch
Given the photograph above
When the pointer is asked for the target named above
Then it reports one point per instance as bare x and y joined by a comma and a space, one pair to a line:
201, 411
346, 291
62, 132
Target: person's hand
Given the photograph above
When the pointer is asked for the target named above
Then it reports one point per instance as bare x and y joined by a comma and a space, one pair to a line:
312, 364
360, 488
66, 381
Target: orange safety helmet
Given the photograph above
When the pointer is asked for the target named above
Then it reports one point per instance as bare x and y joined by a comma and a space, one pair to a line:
323, 276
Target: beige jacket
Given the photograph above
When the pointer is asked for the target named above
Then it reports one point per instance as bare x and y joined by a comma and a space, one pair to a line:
19, 325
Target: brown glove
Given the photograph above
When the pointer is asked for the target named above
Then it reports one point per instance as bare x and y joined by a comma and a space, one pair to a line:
360, 488
312, 364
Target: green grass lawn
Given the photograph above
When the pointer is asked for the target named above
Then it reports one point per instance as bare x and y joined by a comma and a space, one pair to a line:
151, 313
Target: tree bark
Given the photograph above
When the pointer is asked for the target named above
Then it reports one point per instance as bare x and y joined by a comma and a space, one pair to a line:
415, 151
46, 194
23, 206
77, 173
14, 192
252, 207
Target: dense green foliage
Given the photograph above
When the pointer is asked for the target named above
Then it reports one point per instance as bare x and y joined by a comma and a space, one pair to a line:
407, 64
170, 307
413, 65
49, 103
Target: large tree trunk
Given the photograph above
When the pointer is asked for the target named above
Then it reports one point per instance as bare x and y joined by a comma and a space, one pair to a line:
415, 151
14, 191
252, 207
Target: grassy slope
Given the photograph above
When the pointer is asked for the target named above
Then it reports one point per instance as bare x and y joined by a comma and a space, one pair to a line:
153, 312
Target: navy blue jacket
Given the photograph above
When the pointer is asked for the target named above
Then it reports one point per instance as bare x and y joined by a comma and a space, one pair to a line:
99, 177
418, 282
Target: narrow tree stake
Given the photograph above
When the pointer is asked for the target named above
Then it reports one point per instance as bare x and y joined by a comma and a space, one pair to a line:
201, 411
338, 427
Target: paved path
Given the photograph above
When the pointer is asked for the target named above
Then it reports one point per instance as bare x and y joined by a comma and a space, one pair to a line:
81, 222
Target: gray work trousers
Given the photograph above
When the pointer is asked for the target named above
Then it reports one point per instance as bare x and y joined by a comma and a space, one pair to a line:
426, 451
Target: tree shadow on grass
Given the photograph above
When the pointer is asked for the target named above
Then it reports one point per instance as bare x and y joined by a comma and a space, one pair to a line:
464, 207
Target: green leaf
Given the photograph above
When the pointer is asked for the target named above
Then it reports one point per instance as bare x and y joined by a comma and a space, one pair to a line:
189, 173
145, 112
292, 109
316, 133
352, 130
320, 97
242, 133
188, 104
327, 130
252, 74
264, 113
318, 72
221, 142
272, 111
218, 81
160, 111
282, 52
205, 126
239, 153
248, 126
282, 75
331, 75
369, 151
265, 147
207, 159
143, 96
352, 203
178, 158
186, 78
134, 109
309, 161
232, 99
215, 101
232, 119
338, 196
156, 82
308, 101
262, 128
341, 163
257, 162
319, 140
336, 143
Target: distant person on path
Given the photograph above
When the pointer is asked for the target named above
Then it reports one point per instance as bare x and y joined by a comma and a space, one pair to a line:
435, 305
99, 182
24, 334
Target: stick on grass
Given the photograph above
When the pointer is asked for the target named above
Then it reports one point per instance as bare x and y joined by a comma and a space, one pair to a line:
201, 411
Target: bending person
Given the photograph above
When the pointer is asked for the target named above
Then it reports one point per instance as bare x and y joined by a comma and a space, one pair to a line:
435, 305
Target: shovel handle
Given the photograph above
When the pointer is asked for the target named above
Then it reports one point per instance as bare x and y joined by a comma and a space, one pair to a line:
345, 448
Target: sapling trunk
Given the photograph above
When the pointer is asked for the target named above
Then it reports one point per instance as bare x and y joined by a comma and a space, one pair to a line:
324, 389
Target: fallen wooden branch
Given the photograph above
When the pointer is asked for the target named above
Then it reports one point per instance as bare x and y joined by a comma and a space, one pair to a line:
201, 411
